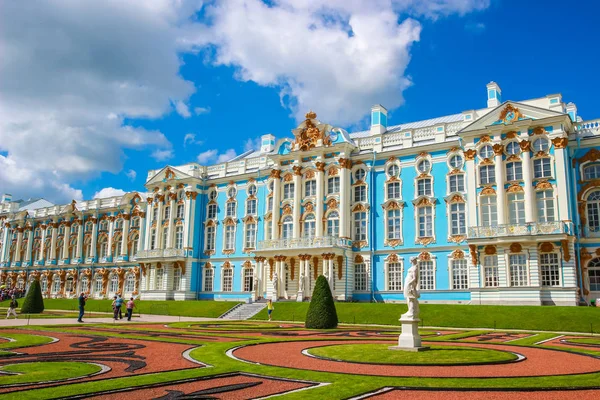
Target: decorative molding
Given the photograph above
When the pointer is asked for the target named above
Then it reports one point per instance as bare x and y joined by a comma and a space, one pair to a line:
473, 252
565, 248
485, 139
525, 145
516, 248
425, 241
320, 166
498, 149
275, 173
340, 260
546, 247
470, 154
543, 184
510, 114
457, 238
511, 135
489, 250
297, 170
515, 188
359, 259
457, 254
560, 142
424, 256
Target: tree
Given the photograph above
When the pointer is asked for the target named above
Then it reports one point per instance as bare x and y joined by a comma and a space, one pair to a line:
34, 302
321, 311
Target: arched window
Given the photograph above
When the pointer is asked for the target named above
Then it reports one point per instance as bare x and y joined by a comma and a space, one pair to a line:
591, 172
129, 283
98, 286
545, 205
333, 224
103, 225
514, 171
310, 226
456, 161
37, 250
103, 246
424, 166
55, 284
424, 186
167, 214
541, 144
73, 248
593, 211
489, 211
135, 241
155, 213
250, 238
69, 285
59, 249
393, 171
177, 278
89, 226
135, 222
179, 237
114, 283
118, 245
119, 224
85, 284
288, 227
180, 210
594, 274
87, 247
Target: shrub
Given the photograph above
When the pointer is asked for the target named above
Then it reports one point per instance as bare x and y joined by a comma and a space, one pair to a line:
321, 311
34, 302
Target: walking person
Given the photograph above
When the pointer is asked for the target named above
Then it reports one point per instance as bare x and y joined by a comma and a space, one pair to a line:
12, 307
82, 299
119, 305
114, 307
270, 308
130, 307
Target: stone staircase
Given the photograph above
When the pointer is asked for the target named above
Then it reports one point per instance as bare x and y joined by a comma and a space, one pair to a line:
243, 311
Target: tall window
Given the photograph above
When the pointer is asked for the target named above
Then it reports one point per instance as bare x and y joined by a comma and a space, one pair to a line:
360, 277
394, 276
487, 174
231, 209
177, 278
210, 238
310, 188
490, 271
55, 284
458, 219
518, 269
250, 240
309, 226
360, 193
514, 171
248, 279
394, 224
460, 276
426, 275
457, 183
424, 187
158, 279
425, 221
360, 226
227, 279
229, 237
549, 266
333, 224
98, 284
545, 205
542, 168
594, 274
212, 211
167, 212
268, 229
516, 208
155, 213
85, 284
114, 284
333, 185
179, 237
593, 211
153, 239
288, 228
489, 212
180, 208
208, 279
44, 284
118, 246
129, 283
165, 237
288, 190
251, 207
393, 190
103, 247
134, 245
591, 172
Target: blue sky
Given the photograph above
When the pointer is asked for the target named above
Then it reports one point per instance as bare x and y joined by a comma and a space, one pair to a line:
216, 74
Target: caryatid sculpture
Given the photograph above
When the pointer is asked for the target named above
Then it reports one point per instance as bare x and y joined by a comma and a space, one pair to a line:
275, 285
411, 291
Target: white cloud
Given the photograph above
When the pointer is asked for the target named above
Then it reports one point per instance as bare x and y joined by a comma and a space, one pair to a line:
131, 174
214, 157
162, 154
252, 144
337, 59
108, 192
475, 27
182, 109
72, 73
201, 110
190, 138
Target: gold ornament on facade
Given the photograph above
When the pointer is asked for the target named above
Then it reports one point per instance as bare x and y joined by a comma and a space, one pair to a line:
359, 244
392, 258
457, 198
424, 256
539, 131
546, 247
320, 166
309, 207
511, 135
458, 254
425, 241
525, 145
288, 177
391, 159
560, 142
486, 161
307, 136
516, 248
565, 248
393, 242
297, 170
485, 139
345, 163
455, 171
498, 149
360, 208
543, 184
423, 154
591, 156
457, 238
473, 252
513, 157
594, 183
333, 171
510, 114
359, 259
489, 250
287, 210
470, 154
275, 173
515, 188
425, 201
340, 260
310, 174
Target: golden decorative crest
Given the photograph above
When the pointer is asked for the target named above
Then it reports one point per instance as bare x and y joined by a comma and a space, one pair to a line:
560, 142
515, 188
425, 256
510, 114
473, 251
309, 207
511, 135
457, 238
333, 171
287, 209
591, 156
297, 170
309, 174
309, 133
458, 254
516, 248
538, 131
424, 241
288, 178
470, 154
392, 258
485, 139
565, 248
275, 173
498, 149
546, 247
332, 203
489, 250
525, 145
543, 184
393, 242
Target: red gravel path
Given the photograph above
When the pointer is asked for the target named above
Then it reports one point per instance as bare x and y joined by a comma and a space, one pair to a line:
267, 387
447, 395
539, 362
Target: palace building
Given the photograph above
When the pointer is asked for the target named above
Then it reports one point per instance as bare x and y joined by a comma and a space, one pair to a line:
500, 205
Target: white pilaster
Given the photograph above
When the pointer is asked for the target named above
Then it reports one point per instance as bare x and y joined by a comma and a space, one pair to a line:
330, 276
148, 226
125, 235
111, 232
53, 243
345, 198
28, 253
172, 197
319, 198
528, 179
80, 236
561, 181
500, 194
471, 192
94, 237
42, 244
19, 243
276, 204
143, 233
297, 201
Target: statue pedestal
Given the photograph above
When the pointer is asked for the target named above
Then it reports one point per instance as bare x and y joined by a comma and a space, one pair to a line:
300, 297
273, 297
409, 339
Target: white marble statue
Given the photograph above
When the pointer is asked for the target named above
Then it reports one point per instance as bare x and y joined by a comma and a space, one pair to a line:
411, 291
302, 282
275, 283
255, 287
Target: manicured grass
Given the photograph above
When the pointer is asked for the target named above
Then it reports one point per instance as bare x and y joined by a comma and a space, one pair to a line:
45, 371
546, 318
22, 340
595, 341
193, 308
436, 355
56, 314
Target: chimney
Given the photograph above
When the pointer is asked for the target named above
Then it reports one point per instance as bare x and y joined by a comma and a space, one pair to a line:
494, 94
572, 111
378, 119
6, 198
267, 143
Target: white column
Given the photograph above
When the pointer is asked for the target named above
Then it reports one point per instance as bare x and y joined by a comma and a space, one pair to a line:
143, 232
125, 234
80, 236
528, 180
187, 221
28, 255
319, 199
276, 206
172, 197
67, 240
94, 237
297, 200
561, 172
111, 232
148, 225
500, 194
345, 198
43, 242
259, 276
53, 243
159, 221
471, 188
278, 269
19, 243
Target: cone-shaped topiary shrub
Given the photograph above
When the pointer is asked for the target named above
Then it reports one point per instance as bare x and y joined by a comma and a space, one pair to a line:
321, 311
34, 302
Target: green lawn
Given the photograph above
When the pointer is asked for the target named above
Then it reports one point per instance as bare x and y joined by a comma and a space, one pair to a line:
45, 371
22, 340
547, 318
193, 308
437, 355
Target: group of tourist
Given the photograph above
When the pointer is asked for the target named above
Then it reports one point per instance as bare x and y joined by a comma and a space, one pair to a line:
116, 306
9, 293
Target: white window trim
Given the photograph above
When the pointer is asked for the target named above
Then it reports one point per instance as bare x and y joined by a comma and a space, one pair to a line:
223, 278
212, 268
206, 238
225, 237
385, 222
367, 262
527, 267
449, 217
560, 268
386, 263
552, 168
451, 261
448, 176
433, 214
255, 222
433, 260
387, 183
